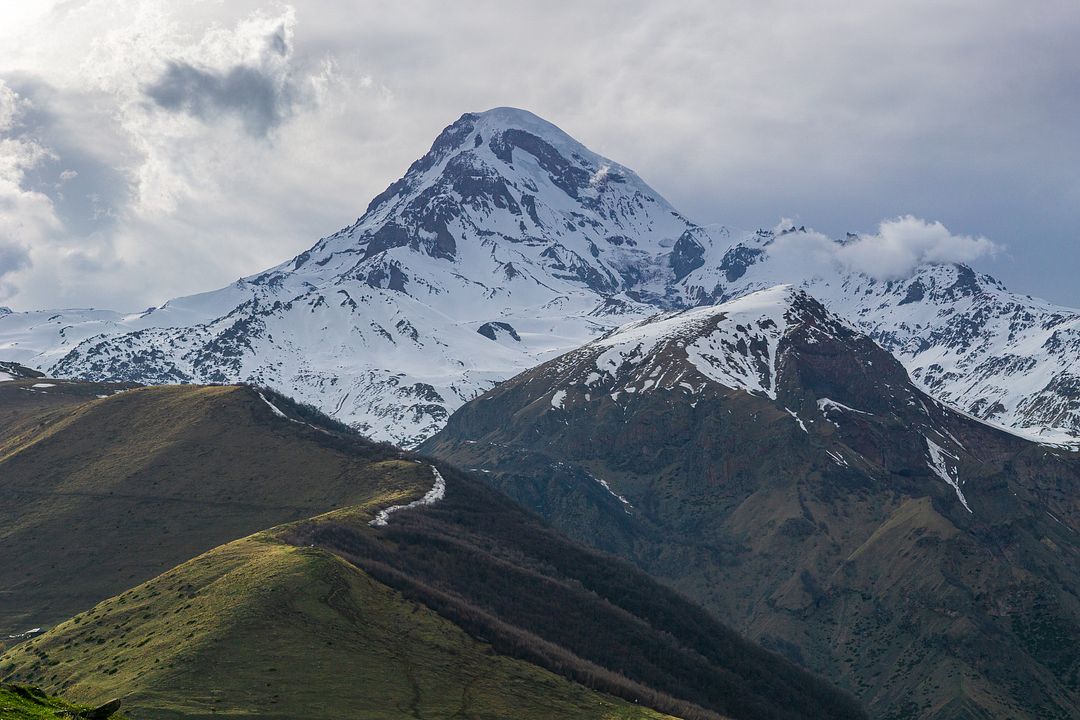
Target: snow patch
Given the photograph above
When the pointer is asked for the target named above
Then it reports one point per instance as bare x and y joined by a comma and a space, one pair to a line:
837, 458
825, 404
614, 494
798, 420
434, 495
734, 344
275, 409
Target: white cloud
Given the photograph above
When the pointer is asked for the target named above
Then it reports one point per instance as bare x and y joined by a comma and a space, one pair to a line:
135, 199
902, 244
899, 246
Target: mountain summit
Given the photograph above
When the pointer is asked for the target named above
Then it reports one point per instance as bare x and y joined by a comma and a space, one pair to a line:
506, 243
516, 201
509, 243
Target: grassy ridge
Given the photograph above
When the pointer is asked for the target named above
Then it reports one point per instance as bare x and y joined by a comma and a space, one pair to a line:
98, 493
261, 628
480, 560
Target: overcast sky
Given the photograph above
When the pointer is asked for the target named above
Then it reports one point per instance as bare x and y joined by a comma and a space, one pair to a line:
148, 151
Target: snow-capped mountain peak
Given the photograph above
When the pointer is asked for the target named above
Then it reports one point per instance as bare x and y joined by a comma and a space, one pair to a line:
1007, 359
509, 199
739, 344
508, 242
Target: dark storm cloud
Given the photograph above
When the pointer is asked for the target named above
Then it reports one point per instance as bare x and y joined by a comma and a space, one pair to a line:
258, 100
86, 184
278, 42
260, 94
13, 257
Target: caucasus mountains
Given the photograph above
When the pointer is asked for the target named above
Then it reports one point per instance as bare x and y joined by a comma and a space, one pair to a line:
509, 243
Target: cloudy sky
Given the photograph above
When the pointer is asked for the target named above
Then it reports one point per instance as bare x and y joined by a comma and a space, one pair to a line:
148, 151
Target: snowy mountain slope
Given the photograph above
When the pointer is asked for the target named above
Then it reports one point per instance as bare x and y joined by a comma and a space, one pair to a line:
507, 243
782, 468
43, 337
1008, 359
758, 343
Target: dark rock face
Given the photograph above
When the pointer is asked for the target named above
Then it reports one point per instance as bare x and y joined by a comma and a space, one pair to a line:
492, 330
447, 141
736, 261
387, 237
19, 371
566, 176
389, 276
103, 711
479, 185
915, 292
966, 284
573, 267
687, 255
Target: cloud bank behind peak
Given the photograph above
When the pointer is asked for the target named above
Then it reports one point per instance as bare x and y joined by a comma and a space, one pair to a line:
894, 251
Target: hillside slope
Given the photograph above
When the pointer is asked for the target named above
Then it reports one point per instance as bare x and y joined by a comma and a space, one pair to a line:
414, 590
781, 468
24, 702
263, 629
111, 491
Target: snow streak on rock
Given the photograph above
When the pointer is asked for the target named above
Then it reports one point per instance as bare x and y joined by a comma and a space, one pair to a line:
939, 463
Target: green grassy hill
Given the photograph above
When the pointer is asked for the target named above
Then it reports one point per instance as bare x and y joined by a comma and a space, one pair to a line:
469, 607
260, 628
99, 494
24, 702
